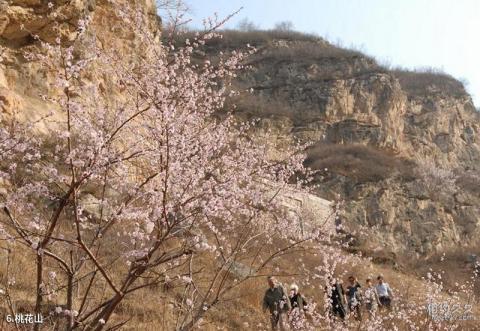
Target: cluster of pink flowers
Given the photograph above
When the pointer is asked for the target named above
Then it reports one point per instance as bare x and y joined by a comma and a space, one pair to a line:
143, 171
122, 176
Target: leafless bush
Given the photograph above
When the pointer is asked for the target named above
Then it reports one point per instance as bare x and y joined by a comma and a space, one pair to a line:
247, 25
283, 26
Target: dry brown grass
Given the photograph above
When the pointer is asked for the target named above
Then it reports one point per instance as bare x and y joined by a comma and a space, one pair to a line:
455, 265
149, 308
360, 162
297, 47
470, 182
408, 288
429, 81
310, 51
254, 106
235, 39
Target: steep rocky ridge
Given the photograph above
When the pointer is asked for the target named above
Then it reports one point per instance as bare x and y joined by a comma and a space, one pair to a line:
305, 88
339, 100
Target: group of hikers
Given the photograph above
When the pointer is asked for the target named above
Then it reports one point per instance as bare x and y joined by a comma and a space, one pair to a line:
289, 309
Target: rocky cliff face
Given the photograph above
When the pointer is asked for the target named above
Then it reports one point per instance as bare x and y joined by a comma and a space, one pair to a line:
24, 23
414, 188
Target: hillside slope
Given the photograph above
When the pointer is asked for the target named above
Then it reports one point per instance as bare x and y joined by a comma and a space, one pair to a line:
401, 148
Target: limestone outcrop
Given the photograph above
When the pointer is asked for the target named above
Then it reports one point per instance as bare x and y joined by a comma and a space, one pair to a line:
24, 23
424, 125
306, 89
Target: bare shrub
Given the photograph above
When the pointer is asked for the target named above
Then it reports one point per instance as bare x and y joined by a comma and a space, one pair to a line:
247, 25
284, 26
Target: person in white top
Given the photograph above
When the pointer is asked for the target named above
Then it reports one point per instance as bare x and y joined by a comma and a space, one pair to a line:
384, 292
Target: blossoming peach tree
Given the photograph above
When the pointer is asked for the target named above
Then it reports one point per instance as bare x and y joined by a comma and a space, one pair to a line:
142, 181
130, 186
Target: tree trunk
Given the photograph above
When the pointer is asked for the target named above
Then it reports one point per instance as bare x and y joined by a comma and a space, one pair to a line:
38, 301
105, 314
70, 301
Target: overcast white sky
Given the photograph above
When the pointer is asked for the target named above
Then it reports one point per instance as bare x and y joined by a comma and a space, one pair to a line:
444, 34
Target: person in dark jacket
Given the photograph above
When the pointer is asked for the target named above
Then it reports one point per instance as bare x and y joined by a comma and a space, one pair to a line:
354, 296
299, 307
278, 304
336, 296
297, 300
